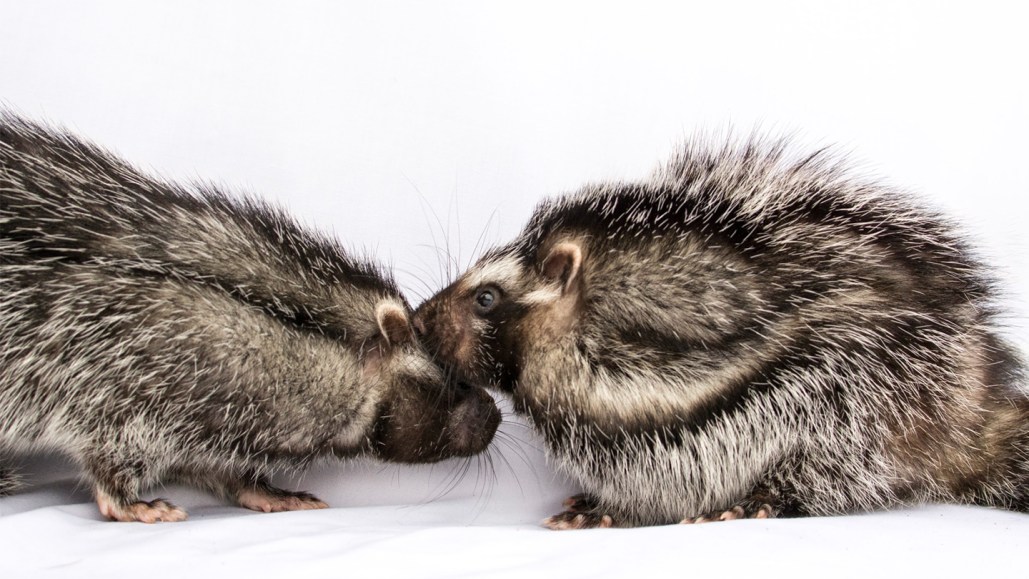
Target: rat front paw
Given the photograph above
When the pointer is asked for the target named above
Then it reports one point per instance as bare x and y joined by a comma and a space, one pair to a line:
581, 512
752, 511
274, 500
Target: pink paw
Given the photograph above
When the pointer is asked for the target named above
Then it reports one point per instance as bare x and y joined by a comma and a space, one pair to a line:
763, 511
262, 500
581, 512
155, 511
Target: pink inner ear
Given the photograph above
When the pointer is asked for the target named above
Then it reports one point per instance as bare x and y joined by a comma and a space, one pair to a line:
394, 326
563, 263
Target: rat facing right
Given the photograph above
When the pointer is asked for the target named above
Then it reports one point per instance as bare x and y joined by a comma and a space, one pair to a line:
157, 332
747, 333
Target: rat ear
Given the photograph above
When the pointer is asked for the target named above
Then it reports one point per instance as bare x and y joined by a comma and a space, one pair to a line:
563, 264
393, 323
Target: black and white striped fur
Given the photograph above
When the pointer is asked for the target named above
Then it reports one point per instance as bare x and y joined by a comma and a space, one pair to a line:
154, 332
745, 334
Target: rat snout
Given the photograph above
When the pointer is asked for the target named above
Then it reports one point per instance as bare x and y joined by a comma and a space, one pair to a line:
473, 422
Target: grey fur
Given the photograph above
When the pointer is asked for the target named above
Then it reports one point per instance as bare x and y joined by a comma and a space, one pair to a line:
157, 332
746, 333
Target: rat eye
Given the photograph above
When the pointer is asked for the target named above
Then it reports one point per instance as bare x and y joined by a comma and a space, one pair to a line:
486, 299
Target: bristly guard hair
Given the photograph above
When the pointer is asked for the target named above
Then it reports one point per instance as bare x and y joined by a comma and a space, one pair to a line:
156, 332
746, 333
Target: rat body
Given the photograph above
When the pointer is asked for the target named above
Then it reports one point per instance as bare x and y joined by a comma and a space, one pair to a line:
745, 334
154, 332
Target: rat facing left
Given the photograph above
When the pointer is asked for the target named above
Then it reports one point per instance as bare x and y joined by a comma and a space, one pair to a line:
748, 333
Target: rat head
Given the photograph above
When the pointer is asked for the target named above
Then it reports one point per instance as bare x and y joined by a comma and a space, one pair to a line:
423, 415
512, 298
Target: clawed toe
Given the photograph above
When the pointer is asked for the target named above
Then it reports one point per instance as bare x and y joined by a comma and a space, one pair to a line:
259, 499
763, 511
581, 512
569, 520
155, 511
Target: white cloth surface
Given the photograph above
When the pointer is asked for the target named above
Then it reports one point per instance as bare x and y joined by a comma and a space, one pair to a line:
400, 522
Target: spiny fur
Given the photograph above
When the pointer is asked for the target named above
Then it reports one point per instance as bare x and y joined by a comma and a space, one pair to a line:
748, 328
153, 331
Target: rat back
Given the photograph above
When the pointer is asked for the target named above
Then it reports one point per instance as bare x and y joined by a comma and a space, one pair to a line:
747, 328
153, 331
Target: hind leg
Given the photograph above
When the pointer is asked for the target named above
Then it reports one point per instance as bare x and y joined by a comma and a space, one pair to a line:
119, 508
116, 487
256, 493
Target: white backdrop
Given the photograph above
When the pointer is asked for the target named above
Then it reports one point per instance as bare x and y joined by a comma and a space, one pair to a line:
408, 128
